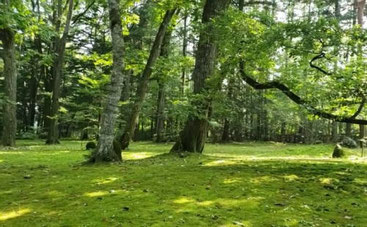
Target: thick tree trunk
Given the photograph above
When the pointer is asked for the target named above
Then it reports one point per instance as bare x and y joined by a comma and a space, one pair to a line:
53, 132
10, 89
144, 80
105, 148
193, 136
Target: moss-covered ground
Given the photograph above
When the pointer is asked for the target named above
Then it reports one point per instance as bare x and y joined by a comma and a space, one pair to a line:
250, 184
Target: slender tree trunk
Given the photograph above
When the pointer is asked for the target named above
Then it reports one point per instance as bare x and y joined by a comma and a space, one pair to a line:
184, 53
10, 91
105, 151
193, 136
144, 80
53, 132
161, 90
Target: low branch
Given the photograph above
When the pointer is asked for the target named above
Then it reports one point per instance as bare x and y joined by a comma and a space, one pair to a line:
322, 55
298, 100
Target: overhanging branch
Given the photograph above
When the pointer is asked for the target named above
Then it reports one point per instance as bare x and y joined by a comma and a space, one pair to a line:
322, 55
298, 100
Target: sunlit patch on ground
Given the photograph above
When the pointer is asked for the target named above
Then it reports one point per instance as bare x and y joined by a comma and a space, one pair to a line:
232, 180
13, 214
291, 178
103, 193
105, 180
136, 156
96, 194
221, 163
1, 161
328, 181
262, 179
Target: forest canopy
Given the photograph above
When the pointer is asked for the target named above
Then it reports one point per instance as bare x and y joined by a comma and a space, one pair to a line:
186, 71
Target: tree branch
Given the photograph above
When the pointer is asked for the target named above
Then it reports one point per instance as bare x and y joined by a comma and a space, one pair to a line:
322, 55
258, 3
298, 100
77, 17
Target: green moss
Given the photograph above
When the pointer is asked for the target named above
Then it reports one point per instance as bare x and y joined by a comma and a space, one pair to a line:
253, 184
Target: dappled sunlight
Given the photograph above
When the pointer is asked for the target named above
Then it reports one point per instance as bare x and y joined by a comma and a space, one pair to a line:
262, 179
221, 163
1, 161
328, 181
291, 178
248, 202
13, 214
103, 193
96, 194
232, 180
105, 180
138, 155
184, 200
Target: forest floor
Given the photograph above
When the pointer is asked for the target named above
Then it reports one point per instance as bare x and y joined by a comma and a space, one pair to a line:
250, 184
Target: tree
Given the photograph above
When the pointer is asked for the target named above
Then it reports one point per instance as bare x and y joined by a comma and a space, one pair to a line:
144, 80
7, 36
105, 151
58, 63
193, 136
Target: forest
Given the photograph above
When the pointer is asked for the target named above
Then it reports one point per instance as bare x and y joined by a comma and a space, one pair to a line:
183, 113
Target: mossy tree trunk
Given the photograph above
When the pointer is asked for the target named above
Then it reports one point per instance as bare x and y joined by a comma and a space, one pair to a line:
105, 148
193, 136
58, 63
10, 91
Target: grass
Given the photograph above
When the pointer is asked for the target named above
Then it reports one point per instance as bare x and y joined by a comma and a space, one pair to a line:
252, 184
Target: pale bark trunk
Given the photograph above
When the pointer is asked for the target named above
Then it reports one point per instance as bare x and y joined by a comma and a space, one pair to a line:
144, 80
105, 148
10, 89
193, 136
53, 135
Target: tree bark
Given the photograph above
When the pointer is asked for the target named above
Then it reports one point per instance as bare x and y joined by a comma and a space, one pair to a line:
105, 147
193, 136
53, 132
161, 101
144, 80
10, 91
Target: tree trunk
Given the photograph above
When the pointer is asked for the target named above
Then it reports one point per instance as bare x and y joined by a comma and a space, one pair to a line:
225, 134
53, 132
144, 80
105, 151
10, 89
193, 136
161, 90
360, 6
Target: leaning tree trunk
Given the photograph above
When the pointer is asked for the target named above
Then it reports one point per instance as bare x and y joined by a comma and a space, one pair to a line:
10, 91
144, 80
193, 136
53, 135
105, 151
